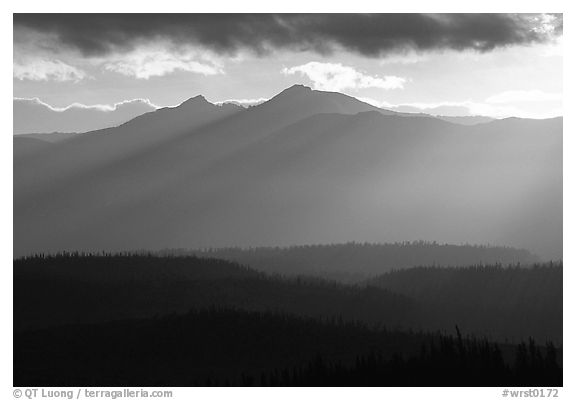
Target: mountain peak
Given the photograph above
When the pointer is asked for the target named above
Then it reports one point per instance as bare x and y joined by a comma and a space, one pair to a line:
297, 88
300, 101
194, 101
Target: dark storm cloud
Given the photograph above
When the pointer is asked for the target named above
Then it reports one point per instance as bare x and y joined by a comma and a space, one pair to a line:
369, 35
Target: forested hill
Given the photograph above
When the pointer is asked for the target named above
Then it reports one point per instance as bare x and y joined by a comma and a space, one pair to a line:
353, 262
74, 288
502, 303
478, 299
225, 347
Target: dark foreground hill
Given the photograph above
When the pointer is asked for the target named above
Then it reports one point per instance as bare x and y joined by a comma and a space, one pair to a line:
481, 298
71, 288
501, 303
226, 347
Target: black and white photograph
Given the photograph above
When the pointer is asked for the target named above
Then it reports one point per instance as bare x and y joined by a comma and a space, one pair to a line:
287, 200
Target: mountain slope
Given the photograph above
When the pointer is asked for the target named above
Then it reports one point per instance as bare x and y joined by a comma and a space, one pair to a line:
466, 120
196, 133
304, 167
34, 116
80, 156
28, 146
47, 137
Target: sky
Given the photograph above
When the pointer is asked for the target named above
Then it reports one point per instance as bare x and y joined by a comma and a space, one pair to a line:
497, 65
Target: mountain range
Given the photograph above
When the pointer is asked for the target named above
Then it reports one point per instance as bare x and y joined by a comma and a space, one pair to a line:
32, 116
303, 167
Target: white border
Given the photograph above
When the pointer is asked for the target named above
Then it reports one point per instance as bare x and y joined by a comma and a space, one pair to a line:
569, 390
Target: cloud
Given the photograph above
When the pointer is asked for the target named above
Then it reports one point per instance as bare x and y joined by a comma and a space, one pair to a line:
243, 102
44, 70
32, 115
38, 57
404, 58
516, 96
99, 107
462, 108
338, 77
370, 35
146, 64
465, 108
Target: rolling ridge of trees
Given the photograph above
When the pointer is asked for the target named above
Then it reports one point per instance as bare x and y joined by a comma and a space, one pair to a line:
179, 320
515, 299
353, 262
77, 288
220, 347
493, 301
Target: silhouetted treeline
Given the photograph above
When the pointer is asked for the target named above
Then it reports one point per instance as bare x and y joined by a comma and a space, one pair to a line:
232, 347
512, 301
77, 288
447, 362
500, 303
352, 262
